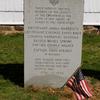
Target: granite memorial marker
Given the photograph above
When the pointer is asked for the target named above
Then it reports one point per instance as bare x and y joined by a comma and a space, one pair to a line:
53, 41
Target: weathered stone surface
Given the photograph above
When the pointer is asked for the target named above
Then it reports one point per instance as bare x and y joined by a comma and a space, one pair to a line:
53, 41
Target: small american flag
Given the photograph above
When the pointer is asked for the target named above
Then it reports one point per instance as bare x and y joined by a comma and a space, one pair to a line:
80, 86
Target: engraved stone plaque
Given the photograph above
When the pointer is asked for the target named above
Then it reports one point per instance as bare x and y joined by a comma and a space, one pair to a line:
53, 41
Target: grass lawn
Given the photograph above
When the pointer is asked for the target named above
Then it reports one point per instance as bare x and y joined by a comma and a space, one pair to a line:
11, 52
91, 52
11, 49
9, 91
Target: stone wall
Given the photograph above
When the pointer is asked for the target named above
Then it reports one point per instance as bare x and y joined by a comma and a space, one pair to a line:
92, 29
11, 29
20, 29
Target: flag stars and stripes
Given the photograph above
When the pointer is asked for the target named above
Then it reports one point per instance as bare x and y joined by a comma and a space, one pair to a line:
80, 86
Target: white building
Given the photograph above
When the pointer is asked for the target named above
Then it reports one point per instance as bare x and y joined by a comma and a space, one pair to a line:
11, 12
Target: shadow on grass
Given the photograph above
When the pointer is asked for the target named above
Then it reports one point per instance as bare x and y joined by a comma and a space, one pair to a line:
13, 72
91, 73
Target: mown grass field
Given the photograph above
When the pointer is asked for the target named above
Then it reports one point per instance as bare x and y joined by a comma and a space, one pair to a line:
91, 52
11, 49
12, 56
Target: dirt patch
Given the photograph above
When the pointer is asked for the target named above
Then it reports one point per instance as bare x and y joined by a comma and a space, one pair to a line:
63, 93
96, 90
67, 94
